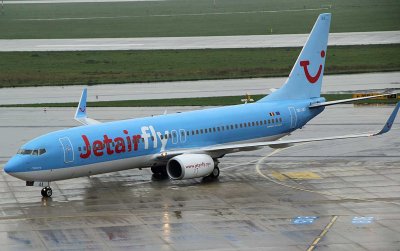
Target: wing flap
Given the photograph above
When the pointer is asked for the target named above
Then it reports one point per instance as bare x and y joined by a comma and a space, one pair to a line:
343, 101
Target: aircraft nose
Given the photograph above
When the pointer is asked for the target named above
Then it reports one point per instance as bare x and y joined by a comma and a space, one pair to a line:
9, 167
12, 166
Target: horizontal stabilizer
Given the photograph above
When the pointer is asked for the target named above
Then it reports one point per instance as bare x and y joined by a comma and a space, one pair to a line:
80, 114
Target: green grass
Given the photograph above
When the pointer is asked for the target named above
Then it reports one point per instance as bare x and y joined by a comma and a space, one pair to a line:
67, 68
170, 18
204, 101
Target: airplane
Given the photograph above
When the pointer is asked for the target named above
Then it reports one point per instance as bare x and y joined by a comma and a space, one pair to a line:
185, 145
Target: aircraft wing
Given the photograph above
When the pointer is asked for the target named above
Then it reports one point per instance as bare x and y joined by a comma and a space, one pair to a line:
343, 101
80, 114
230, 148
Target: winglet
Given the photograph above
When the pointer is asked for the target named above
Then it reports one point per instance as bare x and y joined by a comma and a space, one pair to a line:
80, 114
81, 110
390, 121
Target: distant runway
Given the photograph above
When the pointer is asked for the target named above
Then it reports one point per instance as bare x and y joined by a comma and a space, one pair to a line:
206, 42
185, 89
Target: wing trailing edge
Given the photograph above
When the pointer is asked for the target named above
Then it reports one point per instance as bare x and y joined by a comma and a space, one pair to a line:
343, 101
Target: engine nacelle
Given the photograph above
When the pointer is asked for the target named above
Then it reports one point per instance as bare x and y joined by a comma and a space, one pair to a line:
189, 166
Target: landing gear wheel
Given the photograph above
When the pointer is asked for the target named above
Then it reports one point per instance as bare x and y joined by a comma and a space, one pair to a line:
215, 173
47, 192
159, 172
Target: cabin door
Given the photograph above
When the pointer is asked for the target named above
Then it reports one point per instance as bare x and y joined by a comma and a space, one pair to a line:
68, 150
293, 117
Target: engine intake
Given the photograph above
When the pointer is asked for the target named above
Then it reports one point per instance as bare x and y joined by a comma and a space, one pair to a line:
189, 166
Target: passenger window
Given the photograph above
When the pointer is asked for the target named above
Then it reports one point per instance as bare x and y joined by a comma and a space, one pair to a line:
257, 123
236, 126
201, 131
265, 122
231, 127
79, 149
218, 128
248, 124
252, 123
192, 132
276, 120
227, 127
222, 128
187, 133
182, 133
206, 130
280, 119
197, 131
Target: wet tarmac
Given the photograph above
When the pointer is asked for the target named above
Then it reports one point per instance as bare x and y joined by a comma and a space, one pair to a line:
341, 195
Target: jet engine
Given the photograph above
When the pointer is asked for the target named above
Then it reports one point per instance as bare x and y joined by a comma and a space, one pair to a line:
189, 166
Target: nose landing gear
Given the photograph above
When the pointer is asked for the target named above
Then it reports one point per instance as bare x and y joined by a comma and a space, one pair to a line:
47, 192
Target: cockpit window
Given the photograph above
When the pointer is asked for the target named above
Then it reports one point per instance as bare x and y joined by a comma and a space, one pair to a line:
24, 151
31, 152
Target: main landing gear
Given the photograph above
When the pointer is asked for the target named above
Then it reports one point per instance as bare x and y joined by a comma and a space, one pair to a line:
159, 172
213, 175
47, 192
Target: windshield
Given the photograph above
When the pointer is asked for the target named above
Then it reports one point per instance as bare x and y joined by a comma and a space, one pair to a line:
31, 152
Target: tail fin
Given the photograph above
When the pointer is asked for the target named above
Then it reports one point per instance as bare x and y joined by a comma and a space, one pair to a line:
305, 79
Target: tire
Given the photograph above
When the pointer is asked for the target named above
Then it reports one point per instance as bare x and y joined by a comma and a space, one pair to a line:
215, 173
47, 192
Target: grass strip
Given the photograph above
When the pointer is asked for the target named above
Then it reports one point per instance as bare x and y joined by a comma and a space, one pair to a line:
193, 18
19, 69
204, 101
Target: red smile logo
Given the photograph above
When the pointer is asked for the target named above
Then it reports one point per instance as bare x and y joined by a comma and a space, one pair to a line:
305, 63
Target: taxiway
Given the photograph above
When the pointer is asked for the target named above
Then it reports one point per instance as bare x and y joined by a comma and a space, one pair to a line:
204, 42
373, 82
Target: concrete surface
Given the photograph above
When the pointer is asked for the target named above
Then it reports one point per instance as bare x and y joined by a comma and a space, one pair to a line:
206, 42
341, 195
370, 82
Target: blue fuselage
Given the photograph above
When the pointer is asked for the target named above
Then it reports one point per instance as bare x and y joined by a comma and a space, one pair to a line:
129, 139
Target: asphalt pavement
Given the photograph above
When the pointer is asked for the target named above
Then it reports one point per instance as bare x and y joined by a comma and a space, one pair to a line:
205, 42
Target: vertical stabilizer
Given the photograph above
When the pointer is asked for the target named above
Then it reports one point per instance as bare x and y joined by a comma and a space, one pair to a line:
305, 79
